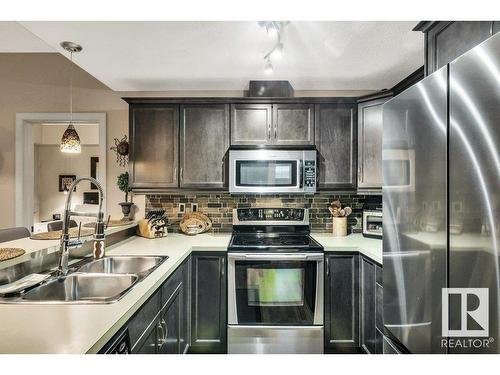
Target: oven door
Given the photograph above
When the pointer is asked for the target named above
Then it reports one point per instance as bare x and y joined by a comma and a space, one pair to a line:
266, 171
275, 289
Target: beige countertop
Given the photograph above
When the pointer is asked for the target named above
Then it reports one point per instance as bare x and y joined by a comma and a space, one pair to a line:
369, 247
66, 328
42, 247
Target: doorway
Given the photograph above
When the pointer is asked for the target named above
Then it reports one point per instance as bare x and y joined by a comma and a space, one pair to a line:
41, 167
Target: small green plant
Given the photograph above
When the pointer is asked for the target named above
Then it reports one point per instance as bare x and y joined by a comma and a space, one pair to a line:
122, 183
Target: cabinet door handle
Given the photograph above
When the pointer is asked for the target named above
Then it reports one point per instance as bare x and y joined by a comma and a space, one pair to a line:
182, 174
223, 266
269, 131
275, 133
327, 266
175, 174
160, 339
162, 332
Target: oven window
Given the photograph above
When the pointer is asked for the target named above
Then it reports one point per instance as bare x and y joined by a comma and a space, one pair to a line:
266, 173
275, 286
275, 292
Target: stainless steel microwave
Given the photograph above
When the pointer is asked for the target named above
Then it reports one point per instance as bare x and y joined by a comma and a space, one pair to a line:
268, 171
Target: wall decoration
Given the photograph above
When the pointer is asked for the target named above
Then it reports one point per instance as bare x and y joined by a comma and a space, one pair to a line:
94, 167
91, 197
121, 149
65, 181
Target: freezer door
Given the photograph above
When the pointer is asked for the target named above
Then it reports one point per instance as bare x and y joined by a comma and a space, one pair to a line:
474, 180
414, 214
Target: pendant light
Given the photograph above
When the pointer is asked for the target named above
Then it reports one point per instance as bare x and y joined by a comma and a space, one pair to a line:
70, 141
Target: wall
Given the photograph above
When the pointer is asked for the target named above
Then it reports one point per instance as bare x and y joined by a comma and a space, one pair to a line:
50, 134
38, 82
219, 207
50, 164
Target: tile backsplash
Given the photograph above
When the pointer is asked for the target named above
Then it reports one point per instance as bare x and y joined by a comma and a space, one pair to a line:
219, 207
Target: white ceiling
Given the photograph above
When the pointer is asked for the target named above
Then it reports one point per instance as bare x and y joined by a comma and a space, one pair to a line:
157, 56
14, 38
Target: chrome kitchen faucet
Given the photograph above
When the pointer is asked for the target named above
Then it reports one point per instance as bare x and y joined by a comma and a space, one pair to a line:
99, 236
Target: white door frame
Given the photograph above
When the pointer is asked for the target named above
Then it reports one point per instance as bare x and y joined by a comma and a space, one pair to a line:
25, 156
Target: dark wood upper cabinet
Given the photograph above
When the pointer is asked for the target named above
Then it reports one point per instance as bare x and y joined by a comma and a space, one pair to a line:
335, 136
183, 142
251, 124
447, 40
370, 144
204, 140
293, 124
283, 124
154, 134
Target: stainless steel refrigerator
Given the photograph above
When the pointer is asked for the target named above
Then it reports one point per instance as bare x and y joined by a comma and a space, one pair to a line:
441, 190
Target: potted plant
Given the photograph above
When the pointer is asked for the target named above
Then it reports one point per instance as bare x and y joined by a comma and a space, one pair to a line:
122, 183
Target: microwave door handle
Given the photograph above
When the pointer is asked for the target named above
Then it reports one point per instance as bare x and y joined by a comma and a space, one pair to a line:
301, 173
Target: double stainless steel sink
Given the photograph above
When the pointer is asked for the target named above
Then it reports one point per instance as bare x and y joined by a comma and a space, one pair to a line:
103, 280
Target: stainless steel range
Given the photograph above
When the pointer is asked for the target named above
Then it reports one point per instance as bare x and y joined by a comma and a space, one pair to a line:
275, 283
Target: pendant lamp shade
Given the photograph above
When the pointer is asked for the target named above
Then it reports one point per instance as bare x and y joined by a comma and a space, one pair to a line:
70, 141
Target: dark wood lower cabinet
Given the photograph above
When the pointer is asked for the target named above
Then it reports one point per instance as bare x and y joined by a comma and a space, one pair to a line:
353, 304
147, 345
341, 303
208, 303
160, 326
169, 325
372, 324
188, 313
367, 306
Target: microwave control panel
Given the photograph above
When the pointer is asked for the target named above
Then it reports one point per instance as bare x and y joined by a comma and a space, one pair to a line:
310, 175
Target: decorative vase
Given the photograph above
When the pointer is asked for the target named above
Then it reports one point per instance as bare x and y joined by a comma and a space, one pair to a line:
339, 227
126, 206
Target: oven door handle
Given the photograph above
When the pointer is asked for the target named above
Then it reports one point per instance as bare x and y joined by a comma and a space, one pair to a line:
312, 256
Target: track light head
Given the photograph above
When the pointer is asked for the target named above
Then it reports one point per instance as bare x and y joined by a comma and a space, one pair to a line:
277, 52
268, 68
272, 29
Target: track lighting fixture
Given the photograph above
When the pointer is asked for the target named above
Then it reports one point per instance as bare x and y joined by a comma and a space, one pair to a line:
273, 28
268, 68
277, 52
